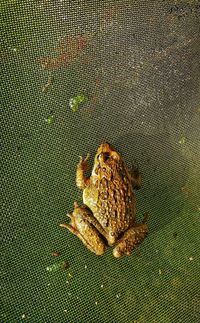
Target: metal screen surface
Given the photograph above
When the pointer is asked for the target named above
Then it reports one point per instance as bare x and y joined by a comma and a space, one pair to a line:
76, 74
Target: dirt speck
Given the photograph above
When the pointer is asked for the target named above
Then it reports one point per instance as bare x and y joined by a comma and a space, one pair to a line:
55, 253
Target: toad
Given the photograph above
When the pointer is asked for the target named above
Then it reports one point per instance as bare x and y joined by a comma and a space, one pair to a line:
108, 214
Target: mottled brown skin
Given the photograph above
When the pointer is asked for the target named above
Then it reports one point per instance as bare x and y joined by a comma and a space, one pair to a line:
108, 213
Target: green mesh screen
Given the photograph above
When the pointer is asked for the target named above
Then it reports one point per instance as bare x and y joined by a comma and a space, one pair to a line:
76, 73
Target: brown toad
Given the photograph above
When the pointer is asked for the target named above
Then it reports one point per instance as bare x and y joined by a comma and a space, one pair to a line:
108, 214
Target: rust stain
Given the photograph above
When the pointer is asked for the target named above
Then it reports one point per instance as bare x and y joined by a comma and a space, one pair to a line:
68, 50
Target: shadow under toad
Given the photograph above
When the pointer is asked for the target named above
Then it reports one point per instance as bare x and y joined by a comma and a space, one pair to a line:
164, 171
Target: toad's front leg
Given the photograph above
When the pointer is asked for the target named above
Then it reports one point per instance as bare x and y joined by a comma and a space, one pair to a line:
81, 180
135, 178
82, 227
130, 239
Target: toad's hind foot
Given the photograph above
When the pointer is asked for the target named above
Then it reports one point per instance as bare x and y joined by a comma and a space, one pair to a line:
131, 238
84, 230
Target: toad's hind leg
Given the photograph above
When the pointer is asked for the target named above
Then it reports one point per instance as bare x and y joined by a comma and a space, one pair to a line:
85, 230
131, 238
81, 180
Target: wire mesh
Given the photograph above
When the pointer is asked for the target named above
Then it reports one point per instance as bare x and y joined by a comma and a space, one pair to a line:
135, 64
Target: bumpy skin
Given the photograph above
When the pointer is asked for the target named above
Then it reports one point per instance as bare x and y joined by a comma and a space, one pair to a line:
108, 213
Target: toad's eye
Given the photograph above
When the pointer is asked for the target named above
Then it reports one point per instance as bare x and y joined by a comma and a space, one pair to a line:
103, 157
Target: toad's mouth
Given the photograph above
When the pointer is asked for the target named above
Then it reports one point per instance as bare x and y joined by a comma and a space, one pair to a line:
105, 148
